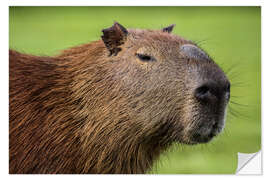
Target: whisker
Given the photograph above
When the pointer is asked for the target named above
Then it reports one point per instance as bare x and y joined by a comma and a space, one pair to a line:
237, 114
233, 96
201, 42
239, 84
238, 104
233, 68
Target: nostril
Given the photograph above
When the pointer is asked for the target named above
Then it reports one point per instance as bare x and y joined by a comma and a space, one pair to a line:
202, 92
228, 88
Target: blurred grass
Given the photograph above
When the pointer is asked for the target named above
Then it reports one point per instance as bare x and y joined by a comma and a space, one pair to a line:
231, 35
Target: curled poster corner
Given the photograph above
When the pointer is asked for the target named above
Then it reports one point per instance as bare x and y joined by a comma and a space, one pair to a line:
249, 163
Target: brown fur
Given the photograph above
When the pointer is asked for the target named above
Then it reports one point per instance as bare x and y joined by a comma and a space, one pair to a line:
88, 111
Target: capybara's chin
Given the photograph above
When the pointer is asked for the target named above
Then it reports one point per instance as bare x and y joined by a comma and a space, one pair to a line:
205, 130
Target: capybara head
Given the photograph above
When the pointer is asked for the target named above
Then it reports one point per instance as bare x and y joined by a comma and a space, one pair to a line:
169, 80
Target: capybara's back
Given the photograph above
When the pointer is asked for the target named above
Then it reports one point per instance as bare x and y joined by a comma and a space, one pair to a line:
113, 105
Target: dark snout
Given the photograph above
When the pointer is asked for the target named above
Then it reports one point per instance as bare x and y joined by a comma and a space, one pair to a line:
213, 98
210, 93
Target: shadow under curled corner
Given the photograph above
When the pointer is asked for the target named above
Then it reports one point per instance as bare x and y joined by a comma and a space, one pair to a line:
249, 164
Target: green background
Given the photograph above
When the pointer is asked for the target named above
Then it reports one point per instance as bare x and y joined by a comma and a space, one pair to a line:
231, 35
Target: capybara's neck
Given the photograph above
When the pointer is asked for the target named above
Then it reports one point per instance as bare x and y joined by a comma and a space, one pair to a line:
75, 119
111, 140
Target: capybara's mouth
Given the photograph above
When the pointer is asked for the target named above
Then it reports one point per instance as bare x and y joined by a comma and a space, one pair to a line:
206, 133
198, 138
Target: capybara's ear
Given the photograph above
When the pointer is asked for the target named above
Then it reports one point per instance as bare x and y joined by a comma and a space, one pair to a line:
169, 28
113, 37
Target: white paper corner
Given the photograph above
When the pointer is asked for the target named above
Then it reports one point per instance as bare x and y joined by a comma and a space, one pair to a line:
249, 163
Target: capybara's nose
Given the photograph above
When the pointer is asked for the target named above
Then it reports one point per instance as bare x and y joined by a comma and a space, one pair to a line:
211, 91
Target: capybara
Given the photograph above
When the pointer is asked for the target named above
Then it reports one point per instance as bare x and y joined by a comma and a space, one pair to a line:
113, 105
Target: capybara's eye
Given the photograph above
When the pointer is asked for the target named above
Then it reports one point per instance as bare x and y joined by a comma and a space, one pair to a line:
144, 57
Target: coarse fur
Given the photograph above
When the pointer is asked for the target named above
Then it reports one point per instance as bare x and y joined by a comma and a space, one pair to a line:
100, 108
